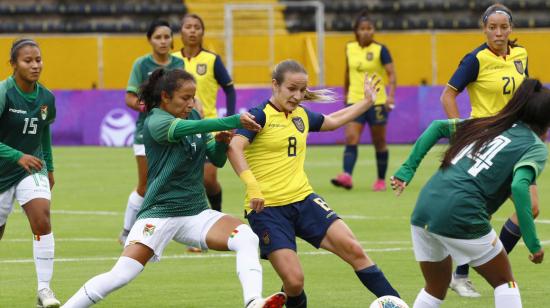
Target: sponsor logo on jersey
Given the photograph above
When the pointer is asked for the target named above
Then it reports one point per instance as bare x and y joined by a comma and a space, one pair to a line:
17, 111
519, 66
299, 123
44, 112
117, 128
148, 230
201, 69
370, 56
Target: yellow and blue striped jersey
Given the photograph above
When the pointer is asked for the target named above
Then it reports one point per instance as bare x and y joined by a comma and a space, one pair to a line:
209, 71
490, 79
277, 153
361, 60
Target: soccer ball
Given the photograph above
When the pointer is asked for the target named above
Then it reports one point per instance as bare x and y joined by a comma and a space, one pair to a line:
388, 301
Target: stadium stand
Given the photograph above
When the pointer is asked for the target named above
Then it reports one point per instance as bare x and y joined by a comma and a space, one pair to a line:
416, 14
83, 16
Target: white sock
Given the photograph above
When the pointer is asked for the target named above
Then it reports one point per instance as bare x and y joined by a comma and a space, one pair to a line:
43, 247
245, 243
425, 300
507, 296
132, 208
97, 288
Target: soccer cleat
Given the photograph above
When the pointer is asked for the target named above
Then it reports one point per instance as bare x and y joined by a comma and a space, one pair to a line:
46, 299
463, 287
123, 236
276, 300
379, 185
343, 180
193, 249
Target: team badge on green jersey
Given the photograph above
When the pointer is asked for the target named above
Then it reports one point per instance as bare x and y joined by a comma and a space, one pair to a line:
519, 66
299, 123
44, 112
148, 229
370, 56
201, 68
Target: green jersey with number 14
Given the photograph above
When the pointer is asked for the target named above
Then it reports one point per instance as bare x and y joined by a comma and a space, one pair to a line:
458, 201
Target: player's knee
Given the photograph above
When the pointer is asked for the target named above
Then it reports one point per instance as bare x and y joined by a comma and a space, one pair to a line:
355, 251
294, 283
41, 225
352, 138
243, 238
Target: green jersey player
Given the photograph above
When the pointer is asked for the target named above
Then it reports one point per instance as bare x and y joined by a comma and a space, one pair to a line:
160, 38
489, 160
26, 166
176, 143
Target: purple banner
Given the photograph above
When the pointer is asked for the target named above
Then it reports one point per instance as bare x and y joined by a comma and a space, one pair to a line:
102, 118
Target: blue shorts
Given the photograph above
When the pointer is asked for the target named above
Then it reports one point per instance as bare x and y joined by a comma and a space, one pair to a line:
278, 226
376, 115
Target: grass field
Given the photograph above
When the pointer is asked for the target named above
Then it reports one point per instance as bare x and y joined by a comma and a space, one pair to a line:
92, 185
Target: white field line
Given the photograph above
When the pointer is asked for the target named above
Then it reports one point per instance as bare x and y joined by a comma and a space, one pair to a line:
351, 217
189, 256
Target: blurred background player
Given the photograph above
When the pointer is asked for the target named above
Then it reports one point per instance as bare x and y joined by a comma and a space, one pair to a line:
209, 72
489, 90
27, 109
280, 203
159, 34
365, 55
175, 206
489, 160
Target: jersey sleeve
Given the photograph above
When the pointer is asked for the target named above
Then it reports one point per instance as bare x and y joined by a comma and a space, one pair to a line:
385, 56
437, 130
47, 148
259, 117
535, 158
315, 119
523, 178
216, 151
159, 125
135, 78
466, 72
221, 74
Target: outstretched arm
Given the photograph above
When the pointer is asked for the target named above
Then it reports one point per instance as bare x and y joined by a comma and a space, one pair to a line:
448, 100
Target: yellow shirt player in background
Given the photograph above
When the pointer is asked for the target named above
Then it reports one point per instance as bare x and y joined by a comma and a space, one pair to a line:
491, 74
209, 72
364, 55
280, 203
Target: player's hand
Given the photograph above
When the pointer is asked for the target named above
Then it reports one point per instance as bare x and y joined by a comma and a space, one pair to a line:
371, 87
224, 136
247, 121
397, 185
537, 256
257, 204
390, 103
51, 179
30, 163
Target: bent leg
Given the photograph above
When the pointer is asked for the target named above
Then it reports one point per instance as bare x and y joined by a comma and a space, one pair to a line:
213, 187
128, 267
287, 265
341, 241
498, 273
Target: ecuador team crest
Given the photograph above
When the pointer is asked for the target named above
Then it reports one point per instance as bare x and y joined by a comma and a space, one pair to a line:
299, 123
201, 68
519, 66
44, 112
148, 230
370, 56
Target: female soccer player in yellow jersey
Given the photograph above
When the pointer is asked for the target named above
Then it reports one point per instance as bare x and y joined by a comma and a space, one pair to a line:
209, 71
280, 203
491, 74
27, 109
159, 36
365, 55
177, 142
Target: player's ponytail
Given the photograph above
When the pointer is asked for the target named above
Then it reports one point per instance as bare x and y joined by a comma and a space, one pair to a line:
162, 80
293, 66
530, 104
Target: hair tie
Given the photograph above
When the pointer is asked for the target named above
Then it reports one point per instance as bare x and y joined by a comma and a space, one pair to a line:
497, 12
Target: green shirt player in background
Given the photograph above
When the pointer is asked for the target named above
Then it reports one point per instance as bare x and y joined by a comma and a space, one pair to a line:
26, 166
160, 37
177, 142
489, 160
